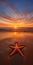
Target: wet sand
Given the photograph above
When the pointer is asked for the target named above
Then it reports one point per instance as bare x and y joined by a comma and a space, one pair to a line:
21, 38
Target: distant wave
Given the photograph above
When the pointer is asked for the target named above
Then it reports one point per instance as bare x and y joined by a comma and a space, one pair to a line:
22, 29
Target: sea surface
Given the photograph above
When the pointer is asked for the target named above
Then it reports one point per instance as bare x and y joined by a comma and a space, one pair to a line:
23, 38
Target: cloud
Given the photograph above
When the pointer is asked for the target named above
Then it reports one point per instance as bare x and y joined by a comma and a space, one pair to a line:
4, 3
16, 17
5, 19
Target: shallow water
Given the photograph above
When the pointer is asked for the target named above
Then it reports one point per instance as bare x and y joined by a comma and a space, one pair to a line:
23, 38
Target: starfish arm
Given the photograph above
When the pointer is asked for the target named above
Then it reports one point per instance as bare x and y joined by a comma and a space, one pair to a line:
11, 47
20, 52
21, 47
12, 52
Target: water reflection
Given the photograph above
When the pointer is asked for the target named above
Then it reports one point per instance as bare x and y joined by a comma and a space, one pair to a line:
14, 34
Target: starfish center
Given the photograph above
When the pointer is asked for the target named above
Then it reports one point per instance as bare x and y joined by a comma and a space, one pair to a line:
16, 46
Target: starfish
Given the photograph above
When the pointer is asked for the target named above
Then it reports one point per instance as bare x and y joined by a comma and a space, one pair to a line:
16, 48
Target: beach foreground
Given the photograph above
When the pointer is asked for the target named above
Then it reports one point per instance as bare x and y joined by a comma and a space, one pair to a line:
8, 38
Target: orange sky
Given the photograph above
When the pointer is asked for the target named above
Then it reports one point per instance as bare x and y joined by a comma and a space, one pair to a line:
6, 22
16, 25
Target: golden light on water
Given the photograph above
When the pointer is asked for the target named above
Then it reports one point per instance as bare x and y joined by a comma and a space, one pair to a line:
15, 33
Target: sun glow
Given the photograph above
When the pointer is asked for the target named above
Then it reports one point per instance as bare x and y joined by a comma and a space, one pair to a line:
15, 26
18, 25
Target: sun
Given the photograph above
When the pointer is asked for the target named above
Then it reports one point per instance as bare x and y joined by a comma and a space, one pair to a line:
15, 26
